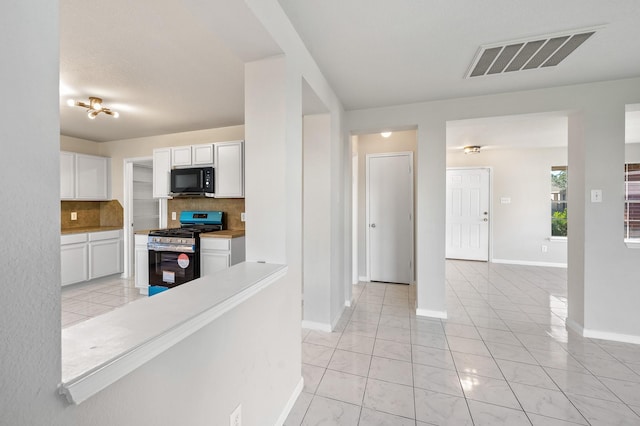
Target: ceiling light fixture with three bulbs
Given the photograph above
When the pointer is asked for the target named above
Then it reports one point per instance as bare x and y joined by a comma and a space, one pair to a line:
94, 106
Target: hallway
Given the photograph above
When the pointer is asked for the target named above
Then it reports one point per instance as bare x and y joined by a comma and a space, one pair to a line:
503, 357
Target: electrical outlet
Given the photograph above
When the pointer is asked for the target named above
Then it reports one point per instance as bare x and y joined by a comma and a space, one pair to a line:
173, 215
242, 217
544, 249
235, 419
74, 215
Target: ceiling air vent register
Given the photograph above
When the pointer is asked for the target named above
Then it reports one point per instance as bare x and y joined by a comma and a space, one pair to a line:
536, 52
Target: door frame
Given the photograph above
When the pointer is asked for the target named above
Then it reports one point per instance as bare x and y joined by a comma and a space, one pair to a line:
128, 267
490, 204
409, 154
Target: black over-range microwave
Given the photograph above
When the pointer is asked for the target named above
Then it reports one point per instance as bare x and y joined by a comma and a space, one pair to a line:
193, 181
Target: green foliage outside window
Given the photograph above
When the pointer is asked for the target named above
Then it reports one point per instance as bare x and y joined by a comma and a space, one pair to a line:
559, 224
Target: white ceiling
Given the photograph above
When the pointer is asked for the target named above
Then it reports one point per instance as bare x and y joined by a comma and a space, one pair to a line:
171, 66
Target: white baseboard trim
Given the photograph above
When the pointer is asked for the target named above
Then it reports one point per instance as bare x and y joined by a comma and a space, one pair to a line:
602, 335
365, 279
529, 263
290, 403
348, 303
313, 325
431, 314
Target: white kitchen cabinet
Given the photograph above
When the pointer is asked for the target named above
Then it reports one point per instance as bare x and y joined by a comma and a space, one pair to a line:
67, 175
161, 172
74, 257
84, 177
220, 253
92, 177
202, 154
105, 253
229, 170
141, 263
85, 256
181, 156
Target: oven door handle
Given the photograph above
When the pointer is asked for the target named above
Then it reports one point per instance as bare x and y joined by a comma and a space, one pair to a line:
176, 248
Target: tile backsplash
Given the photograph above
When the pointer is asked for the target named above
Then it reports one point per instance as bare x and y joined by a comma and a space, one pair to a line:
232, 207
91, 213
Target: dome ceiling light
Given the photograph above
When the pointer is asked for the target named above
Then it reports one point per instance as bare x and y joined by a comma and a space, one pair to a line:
472, 149
94, 106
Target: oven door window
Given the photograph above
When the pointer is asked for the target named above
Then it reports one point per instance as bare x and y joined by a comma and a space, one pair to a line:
170, 269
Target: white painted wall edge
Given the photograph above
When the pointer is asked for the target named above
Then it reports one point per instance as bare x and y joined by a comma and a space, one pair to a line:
313, 325
603, 335
431, 314
83, 387
529, 263
290, 403
365, 279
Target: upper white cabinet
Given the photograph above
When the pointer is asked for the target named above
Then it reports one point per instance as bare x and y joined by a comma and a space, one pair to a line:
192, 155
181, 156
161, 172
84, 177
67, 175
229, 171
202, 154
92, 177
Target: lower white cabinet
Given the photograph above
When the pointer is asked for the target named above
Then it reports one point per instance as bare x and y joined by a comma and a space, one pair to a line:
220, 253
105, 253
90, 255
74, 259
141, 263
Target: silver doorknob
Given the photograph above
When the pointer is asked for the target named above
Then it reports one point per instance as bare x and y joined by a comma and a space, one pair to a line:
486, 220
373, 225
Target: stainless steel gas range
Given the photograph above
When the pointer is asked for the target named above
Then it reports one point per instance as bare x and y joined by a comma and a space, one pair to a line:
174, 254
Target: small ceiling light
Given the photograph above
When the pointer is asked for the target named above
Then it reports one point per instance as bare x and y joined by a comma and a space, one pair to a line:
472, 149
94, 106
385, 134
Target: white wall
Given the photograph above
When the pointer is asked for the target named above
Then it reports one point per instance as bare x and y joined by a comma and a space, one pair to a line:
602, 270
374, 143
520, 229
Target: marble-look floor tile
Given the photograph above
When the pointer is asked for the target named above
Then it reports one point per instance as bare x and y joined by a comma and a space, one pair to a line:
432, 340
362, 329
350, 362
538, 420
400, 335
491, 415
370, 417
391, 370
612, 369
485, 389
316, 354
395, 321
312, 375
325, 411
461, 330
356, 343
441, 409
571, 382
628, 392
393, 350
605, 413
342, 386
547, 403
299, 410
323, 338
470, 346
390, 398
366, 317
433, 357
477, 365
510, 353
526, 374
436, 380
498, 336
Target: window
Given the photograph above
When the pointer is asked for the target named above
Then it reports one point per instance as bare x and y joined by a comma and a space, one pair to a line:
632, 201
559, 201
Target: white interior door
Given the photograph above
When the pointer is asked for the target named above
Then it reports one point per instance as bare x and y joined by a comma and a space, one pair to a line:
467, 226
390, 217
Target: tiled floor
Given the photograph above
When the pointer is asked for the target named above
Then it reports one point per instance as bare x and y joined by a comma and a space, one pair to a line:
503, 357
83, 301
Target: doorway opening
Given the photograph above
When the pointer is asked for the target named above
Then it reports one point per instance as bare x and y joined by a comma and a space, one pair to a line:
399, 146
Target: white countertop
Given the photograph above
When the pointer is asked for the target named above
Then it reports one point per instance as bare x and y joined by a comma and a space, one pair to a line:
99, 351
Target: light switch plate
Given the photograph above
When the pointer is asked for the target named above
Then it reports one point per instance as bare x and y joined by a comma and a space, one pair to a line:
173, 215
596, 195
74, 215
